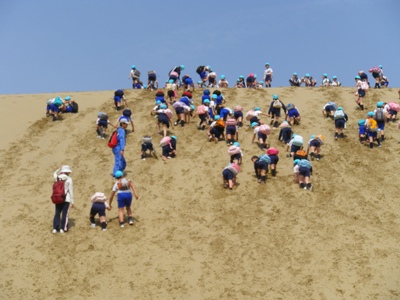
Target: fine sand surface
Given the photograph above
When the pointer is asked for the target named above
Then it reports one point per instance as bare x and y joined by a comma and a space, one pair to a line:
192, 239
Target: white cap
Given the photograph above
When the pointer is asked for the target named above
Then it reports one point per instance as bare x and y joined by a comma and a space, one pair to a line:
65, 169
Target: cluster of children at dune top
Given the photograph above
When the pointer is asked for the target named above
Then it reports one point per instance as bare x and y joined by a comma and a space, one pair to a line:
221, 123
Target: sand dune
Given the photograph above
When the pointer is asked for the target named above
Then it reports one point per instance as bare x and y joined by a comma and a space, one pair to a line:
192, 239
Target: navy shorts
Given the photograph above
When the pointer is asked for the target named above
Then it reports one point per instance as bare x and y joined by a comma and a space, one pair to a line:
376, 75
274, 159
230, 130
117, 99
372, 134
275, 112
392, 112
339, 123
124, 199
217, 131
238, 114
254, 119
163, 119
261, 136
261, 165
329, 108
228, 175
179, 110
147, 146
304, 172
98, 208
381, 125
152, 77
361, 93
203, 117
166, 150
103, 123
268, 77
294, 148
315, 143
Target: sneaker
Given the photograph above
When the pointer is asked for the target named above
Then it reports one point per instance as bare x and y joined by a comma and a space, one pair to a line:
310, 188
54, 231
130, 221
379, 145
92, 225
103, 138
143, 158
98, 136
104, 229
317, 158
61, 231
305, 188
122, 225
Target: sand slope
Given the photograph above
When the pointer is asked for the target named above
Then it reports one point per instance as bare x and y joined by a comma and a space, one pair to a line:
192, 239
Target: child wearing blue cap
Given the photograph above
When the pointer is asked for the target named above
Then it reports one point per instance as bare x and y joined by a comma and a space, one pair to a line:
216, 129
123, 187
168, 146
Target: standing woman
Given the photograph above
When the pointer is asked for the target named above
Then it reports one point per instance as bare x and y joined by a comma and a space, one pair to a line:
63, 208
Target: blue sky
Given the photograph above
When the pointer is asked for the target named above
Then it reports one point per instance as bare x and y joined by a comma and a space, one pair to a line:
58, 46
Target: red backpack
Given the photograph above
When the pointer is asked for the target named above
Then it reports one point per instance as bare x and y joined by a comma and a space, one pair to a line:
113, 142
58, 195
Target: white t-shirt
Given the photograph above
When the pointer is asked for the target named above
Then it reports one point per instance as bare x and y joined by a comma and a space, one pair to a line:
256, 130
268, 71
115, 188
296, 169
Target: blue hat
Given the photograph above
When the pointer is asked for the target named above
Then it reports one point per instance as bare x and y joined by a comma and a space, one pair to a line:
256, 108
133, 67
241, 76
295, 74
294, 135
380, 104
171, 81
236, 144
199, 82
370, 114
307, 75
206, 92
261, 82
325, 75
312, 136
158, 102
206, 101
174, 137
145, 86
182, 67
380, 66
296, 161
275, 96
118, 174
255, 75
217, 117
214, 96
253, 124
222, 76
67, 98
357, 77
361, 122
267, 63
163, 106
334, 77
340, 108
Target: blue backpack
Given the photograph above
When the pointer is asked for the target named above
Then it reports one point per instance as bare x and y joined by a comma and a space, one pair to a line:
305, 163
265, 158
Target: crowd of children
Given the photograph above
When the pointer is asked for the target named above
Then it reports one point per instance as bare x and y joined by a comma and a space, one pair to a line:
220, 123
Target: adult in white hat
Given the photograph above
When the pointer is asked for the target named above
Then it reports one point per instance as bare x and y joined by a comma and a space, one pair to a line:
61, 225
